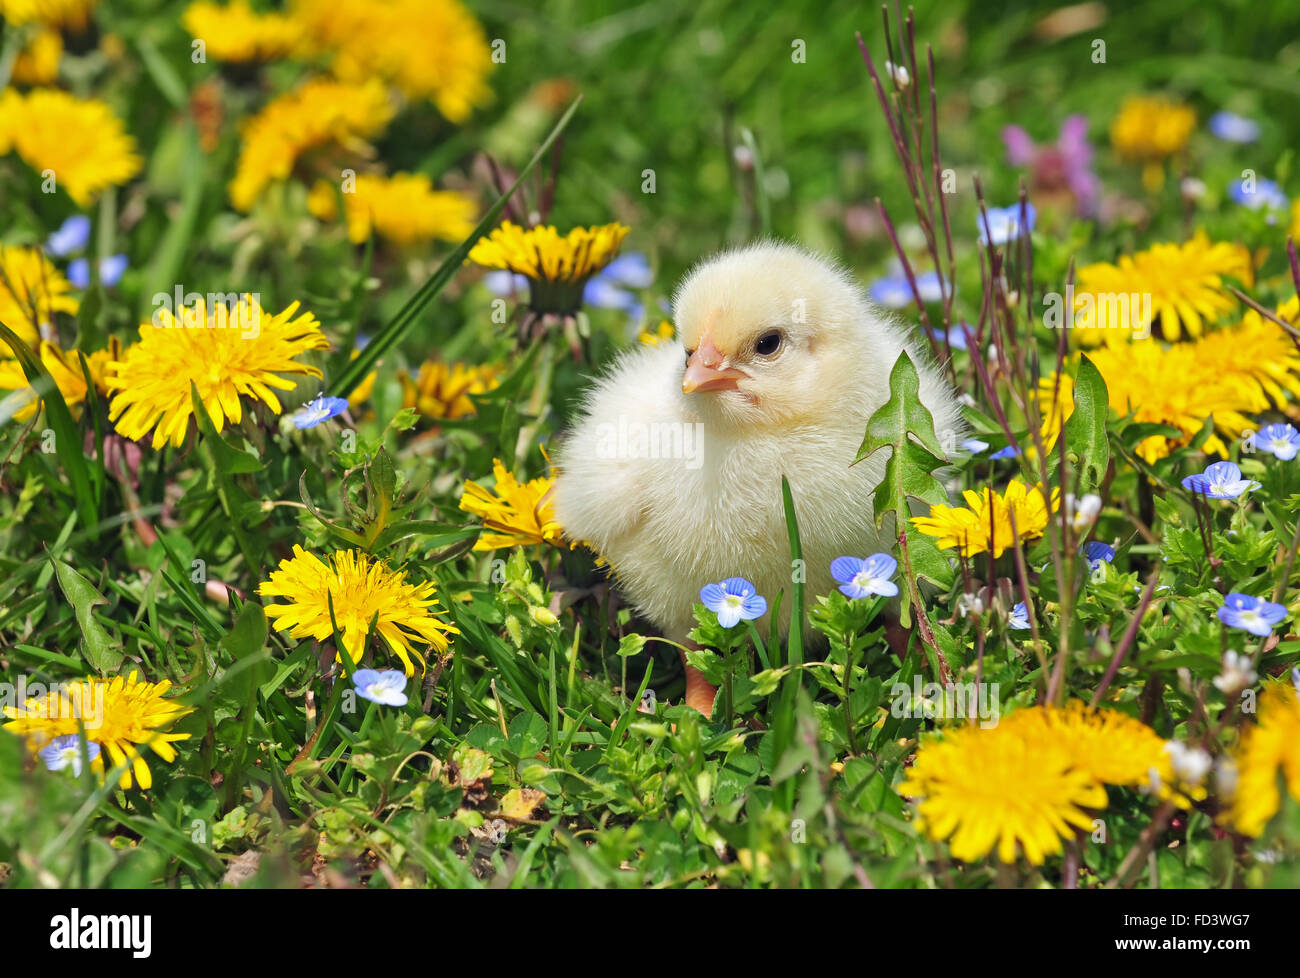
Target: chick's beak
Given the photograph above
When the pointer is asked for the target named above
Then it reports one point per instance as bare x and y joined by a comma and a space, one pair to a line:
706, 370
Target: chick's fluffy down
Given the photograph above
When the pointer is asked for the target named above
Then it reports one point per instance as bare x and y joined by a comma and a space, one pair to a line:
709, 506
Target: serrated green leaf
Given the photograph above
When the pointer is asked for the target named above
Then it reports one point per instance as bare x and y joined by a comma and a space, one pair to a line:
905, 426
103, 654
1085, 429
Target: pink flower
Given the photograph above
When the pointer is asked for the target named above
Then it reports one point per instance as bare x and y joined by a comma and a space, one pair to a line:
1065, 166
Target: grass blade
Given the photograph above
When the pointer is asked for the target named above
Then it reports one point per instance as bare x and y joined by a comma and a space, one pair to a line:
392, 333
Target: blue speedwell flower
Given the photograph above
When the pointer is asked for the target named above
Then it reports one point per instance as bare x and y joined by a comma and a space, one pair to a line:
65, 751
609, 288
733, 600
505, 283
1263, 195
384, 687
1004, 223
1222, 480
630, 269
892, 293
974, 446
1233, 128
1011, 451
1250, 614
1097, 553
859, 578
956, 336
1281, 440
110, 271
895, 291
320, 408
72, 236
1019, 619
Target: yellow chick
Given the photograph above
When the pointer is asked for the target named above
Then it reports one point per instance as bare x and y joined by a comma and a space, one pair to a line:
672, 469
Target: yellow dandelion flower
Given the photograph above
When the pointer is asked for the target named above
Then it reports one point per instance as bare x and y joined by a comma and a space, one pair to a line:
1055, 404
32, 290
1268, 749
1260, 350
403, 208
78, 143
556, 267
985, 522
1150, 128
540, 254
432, 49
1187, 391
663, 332
64, 367
982, 789
360, 589
72, 14
441, 390
38, 62
234, 351
236, 32
517, 513
1185, 283
1113, 747
121, 715
99, 361
321, 113
1228, 374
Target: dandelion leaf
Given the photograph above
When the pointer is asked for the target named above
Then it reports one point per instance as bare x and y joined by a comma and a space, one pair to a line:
905, 426
1085, 429
102, 652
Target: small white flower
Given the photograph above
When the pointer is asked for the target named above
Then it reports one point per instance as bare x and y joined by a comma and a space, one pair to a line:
1192, 188
1082, 512
970, 604
1190, 764
1237, 673
902, 77
1225, 776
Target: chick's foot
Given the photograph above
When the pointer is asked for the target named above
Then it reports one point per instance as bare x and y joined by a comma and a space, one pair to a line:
699, 693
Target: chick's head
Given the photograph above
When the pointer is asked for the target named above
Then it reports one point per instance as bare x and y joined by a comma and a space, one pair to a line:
774, 336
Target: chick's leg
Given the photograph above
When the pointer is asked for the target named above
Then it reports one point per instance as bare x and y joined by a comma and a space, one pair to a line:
699, 693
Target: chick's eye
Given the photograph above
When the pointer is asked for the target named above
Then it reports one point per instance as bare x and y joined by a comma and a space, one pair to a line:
768, 343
